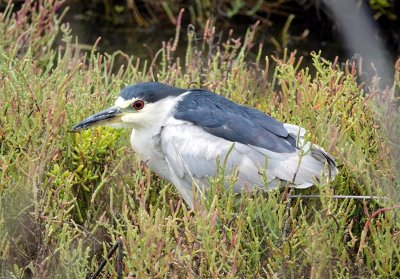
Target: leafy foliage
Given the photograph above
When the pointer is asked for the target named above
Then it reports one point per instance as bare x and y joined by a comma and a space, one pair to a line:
65, 197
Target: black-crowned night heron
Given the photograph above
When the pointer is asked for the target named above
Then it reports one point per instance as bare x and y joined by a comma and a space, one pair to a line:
181, 133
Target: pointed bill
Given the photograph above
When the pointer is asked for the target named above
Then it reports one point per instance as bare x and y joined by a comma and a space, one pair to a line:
107, 116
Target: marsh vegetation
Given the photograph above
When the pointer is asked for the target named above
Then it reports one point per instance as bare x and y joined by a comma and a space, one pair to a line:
65, 198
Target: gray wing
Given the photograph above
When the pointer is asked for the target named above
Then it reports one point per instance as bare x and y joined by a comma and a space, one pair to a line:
191, 154
225, 119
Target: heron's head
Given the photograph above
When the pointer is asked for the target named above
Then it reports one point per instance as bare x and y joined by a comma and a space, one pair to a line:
138, 105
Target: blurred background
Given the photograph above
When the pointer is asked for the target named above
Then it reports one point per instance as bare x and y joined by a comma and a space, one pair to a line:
138, 27
308, 24
369, 28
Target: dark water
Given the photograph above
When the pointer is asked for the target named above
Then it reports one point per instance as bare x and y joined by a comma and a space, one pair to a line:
144, 42
132, 40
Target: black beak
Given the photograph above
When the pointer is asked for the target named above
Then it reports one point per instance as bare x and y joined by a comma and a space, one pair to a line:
107, 116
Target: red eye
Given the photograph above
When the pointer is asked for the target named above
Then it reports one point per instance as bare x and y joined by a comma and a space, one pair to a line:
138, 104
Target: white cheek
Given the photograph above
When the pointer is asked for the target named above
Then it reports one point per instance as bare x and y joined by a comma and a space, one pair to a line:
129, 118
136, 119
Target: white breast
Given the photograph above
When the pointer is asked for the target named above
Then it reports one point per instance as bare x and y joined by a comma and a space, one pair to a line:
147, 147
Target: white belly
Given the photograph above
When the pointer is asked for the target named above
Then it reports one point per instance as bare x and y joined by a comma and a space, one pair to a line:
148, 149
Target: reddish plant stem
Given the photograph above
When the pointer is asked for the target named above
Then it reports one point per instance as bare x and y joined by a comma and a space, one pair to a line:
367, 224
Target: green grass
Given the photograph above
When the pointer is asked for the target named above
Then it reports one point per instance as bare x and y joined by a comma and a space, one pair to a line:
65, 198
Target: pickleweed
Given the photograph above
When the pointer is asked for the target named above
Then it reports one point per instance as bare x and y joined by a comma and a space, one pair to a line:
66, 197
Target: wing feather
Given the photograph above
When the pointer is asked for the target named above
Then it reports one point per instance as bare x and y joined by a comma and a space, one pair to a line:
236, 123
192, 154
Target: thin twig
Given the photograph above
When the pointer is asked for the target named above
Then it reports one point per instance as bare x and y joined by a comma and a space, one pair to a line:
119, 259
338, 197
104, 261
286, 226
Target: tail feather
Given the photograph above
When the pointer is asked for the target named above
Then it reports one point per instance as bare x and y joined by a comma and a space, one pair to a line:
321, 155
315, 151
